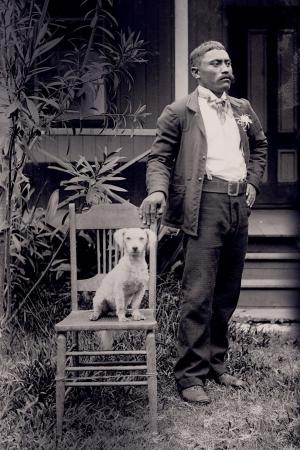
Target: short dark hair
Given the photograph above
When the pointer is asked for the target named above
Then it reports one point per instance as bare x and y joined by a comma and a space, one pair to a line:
198, 52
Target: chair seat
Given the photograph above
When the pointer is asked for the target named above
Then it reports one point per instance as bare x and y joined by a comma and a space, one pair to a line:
79, 320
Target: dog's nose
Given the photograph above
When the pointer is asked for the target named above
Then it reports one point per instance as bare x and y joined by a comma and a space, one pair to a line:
134, 249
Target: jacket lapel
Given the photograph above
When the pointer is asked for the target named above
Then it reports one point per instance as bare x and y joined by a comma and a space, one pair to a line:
193, 105
237, 111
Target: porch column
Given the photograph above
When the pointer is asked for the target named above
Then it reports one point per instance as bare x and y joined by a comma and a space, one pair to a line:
181, 48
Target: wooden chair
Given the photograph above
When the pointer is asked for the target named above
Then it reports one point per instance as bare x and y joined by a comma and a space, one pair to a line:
77, 367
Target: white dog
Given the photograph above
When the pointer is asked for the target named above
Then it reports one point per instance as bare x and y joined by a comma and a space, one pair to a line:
124, 286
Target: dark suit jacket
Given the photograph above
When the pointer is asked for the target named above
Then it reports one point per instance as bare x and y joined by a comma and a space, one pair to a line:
177, 161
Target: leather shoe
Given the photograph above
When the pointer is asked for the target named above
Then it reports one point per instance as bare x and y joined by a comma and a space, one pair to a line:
195, 394
229, 380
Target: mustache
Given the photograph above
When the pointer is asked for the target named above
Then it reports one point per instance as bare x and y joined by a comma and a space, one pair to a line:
230, 76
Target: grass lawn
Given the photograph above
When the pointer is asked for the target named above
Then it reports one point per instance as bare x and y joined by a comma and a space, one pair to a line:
263, 415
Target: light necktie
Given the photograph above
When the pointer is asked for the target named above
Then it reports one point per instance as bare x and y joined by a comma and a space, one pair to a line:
221, 105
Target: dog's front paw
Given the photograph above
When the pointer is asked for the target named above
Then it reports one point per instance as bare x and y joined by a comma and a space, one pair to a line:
94, 316
136, 315
122, 318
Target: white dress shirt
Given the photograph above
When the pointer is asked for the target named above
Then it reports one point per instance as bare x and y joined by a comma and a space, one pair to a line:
225, 157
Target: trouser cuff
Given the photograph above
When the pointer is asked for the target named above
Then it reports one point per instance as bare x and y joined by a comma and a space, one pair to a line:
189, 382
217, 373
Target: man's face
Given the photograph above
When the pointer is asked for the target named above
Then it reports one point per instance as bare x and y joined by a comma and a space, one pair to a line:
214, 72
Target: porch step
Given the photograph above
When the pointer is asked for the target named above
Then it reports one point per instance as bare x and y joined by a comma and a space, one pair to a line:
277, 223
261, 292
271, 279
272, 265
267, 315
262, 256
263, 283
270, 285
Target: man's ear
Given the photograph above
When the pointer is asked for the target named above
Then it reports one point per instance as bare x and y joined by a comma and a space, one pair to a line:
119, 237
195, 72
151, 238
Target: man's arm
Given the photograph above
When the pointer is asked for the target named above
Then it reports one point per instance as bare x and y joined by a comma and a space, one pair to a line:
160, 163
163, 152
258, 150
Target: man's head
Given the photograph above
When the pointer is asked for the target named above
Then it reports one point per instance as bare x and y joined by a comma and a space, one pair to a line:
211, 67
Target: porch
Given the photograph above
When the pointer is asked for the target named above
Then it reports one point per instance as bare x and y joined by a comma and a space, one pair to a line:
270, 284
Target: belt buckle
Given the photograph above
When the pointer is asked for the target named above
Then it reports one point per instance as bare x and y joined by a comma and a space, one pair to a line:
233, 192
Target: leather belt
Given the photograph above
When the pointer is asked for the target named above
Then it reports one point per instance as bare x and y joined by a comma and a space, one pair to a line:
232, 188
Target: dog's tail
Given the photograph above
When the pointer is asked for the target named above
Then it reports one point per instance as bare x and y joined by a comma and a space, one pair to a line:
106, 338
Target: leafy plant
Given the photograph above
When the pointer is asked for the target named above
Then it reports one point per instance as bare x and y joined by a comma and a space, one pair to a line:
34, 96
26, 39
92, 181
32, 245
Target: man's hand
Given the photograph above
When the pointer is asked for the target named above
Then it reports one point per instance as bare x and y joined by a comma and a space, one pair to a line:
250, 195
152, 207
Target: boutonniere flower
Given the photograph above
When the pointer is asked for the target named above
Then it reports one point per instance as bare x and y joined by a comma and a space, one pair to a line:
244, 120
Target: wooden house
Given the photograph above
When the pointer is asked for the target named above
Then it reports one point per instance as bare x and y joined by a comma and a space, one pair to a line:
262, 37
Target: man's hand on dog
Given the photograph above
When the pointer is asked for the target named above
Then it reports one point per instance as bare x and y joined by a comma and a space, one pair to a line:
152, 207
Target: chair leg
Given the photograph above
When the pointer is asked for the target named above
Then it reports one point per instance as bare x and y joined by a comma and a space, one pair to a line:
60, 383
152, 379
75, 342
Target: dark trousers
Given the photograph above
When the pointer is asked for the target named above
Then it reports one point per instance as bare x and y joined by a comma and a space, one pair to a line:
211, 284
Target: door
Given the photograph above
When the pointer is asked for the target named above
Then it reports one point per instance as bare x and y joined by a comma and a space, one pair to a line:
264, 46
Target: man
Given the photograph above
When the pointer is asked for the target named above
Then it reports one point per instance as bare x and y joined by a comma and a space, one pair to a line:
204, 170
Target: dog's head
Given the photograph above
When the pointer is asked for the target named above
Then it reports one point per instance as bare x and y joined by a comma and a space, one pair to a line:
134, 241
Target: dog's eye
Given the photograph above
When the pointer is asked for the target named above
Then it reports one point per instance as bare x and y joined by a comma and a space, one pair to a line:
142, 238
128, 238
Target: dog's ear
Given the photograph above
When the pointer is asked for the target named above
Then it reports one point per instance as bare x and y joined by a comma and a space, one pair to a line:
151, 238
119, 237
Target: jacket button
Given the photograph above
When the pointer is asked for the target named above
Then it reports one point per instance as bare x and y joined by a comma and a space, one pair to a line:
200, 179
203, 157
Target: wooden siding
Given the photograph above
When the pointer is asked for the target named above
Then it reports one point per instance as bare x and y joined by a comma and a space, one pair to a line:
154, 81
71, 147
206, 21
